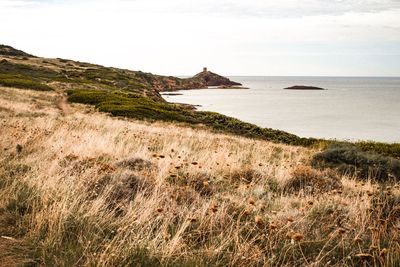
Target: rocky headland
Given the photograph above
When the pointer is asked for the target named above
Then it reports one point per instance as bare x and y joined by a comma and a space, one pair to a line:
203, 80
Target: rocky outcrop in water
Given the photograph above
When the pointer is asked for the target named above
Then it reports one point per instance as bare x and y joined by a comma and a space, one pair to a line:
303, 87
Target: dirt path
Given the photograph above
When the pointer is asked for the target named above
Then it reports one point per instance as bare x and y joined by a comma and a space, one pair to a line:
62, 103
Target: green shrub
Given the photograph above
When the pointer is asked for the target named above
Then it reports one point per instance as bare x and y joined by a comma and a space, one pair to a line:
91, 97
392, 150
385, 149
25, 84
27, 71
350, 159
114, 77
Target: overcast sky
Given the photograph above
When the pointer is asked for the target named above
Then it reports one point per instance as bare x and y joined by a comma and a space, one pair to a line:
231, 37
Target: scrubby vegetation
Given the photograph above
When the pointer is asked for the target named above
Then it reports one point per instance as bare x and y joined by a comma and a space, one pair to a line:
352, 160
18, 81
24, 77
391, 150
7, 67
10, 51
309, 181
88, 189
84, 75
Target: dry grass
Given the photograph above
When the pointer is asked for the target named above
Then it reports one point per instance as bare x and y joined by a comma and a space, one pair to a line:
49, 63
84, 189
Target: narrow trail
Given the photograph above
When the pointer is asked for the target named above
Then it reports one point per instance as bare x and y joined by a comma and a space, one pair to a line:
62, 103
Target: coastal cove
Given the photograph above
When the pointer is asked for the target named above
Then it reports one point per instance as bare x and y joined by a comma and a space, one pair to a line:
352, 108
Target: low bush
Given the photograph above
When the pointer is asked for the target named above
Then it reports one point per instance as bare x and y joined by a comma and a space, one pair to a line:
91, 97
307, 180
136, 164
125, 186
22, 83
199, 182
245, 175
392, 150
119, 188
385, 149
352, 160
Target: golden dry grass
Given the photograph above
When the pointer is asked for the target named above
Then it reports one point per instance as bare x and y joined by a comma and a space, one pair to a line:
84, 189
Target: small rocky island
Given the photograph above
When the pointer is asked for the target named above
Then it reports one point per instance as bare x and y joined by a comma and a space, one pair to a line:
303, 87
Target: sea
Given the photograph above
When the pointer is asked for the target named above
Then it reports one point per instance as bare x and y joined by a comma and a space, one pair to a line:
351, 108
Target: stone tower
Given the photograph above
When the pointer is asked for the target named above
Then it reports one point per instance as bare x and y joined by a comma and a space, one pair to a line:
205, 69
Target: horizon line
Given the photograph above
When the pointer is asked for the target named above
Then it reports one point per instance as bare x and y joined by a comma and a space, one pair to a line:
227, 75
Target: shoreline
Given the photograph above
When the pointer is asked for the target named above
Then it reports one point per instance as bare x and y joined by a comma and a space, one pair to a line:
168, 91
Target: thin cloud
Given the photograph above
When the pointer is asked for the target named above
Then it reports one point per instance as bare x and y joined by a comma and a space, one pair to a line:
262, 8
16, 3
237, 8
230, 36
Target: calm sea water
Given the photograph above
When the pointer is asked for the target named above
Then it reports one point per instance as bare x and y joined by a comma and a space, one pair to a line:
351, 108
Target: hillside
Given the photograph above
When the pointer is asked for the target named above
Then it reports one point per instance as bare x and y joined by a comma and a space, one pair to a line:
84, 75
125, 93
6, 50
80, 188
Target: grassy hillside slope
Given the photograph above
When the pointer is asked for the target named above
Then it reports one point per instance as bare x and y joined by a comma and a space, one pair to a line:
123, 93
136, 94
80, 188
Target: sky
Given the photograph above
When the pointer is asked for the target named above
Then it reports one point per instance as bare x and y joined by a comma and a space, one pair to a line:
230, 37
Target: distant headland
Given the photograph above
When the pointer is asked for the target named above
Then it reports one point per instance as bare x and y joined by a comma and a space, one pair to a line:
209, 78
202, 80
